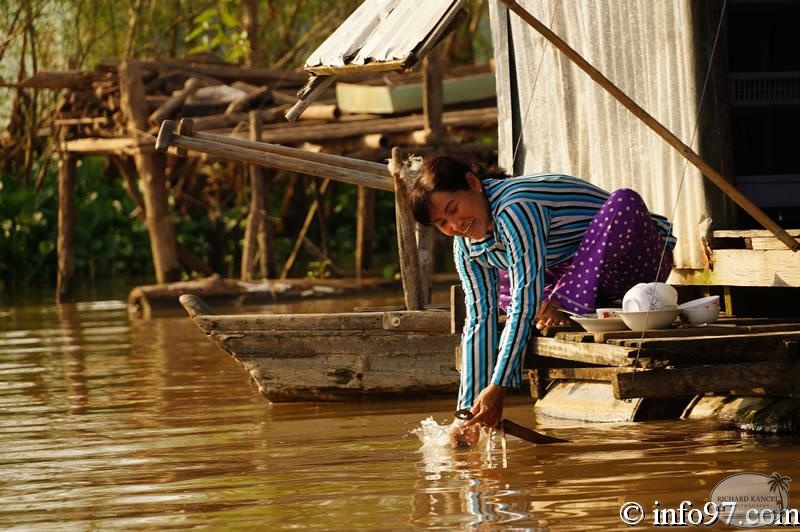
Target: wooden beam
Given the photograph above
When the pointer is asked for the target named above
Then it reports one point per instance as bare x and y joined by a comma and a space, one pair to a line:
602, 374
324, 158
755, 378
354, 177
417, 320
103, 146
715, 177
744, 267
602, 354
365, 230
413, 290
150, 167
730, 348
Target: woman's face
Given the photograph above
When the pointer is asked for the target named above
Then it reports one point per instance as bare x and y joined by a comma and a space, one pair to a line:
462, 213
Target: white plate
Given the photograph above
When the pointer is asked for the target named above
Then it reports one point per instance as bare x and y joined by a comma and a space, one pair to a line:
600, 324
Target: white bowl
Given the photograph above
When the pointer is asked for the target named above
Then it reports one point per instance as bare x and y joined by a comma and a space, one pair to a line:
654, 319
600, 324
697, 316
709, 302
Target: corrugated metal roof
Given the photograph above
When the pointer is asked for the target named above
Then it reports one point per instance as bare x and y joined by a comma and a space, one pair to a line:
386, 34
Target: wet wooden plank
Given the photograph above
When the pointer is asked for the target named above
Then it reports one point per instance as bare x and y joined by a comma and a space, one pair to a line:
759, 378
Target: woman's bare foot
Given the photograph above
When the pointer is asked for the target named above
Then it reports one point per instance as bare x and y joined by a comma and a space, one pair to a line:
550, 315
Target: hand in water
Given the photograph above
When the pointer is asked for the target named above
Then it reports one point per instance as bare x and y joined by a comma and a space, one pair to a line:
550, 315
488, 407
462, 436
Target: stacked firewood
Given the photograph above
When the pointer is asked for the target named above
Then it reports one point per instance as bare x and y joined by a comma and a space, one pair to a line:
219, 97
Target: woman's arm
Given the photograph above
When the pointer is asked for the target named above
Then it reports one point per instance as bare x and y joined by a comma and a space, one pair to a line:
523, 228
479, 336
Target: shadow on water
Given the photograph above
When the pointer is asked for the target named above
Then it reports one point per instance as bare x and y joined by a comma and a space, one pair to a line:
111, 423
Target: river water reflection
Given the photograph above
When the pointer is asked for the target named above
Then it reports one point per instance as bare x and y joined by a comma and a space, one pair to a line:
107, 423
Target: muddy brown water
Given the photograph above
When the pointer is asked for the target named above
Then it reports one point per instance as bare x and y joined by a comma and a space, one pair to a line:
108, 423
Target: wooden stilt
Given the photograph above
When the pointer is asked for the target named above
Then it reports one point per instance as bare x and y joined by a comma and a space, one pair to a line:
715, 177
407, 245
433, 96
65, 245
150, 166
365, 230
257, 236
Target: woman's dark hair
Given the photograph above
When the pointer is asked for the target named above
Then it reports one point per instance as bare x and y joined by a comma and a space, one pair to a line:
442, 172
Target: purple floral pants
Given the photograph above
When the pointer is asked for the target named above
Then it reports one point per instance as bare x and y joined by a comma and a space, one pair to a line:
621, 247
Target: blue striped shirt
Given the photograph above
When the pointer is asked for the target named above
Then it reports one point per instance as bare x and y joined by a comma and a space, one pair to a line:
538, 221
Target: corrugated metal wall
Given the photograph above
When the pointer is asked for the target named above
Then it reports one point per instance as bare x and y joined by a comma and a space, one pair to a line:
569, 124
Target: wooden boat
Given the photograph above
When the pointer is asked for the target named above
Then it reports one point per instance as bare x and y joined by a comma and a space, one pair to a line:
332, 357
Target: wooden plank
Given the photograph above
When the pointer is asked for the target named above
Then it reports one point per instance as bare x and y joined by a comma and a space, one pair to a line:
751, 233
745, 267
312, 343
735, 347
689, 332
603, 354
417, 320
296, 323
603, 374
755, 378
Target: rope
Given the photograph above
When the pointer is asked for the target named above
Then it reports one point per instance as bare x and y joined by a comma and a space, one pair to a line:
683, 175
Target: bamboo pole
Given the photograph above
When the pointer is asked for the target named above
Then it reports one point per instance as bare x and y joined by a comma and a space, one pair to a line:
324, 158
167, 137
406, 242
303, 231
174, 102
730, 190
311, 92
66, 228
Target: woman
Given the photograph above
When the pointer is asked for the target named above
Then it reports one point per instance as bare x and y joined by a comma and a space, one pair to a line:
564, 243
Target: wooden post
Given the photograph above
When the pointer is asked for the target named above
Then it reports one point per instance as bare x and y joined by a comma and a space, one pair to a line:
743, 201
406, 242
258, 233
150, 166
65, 246
365, 230
433, 96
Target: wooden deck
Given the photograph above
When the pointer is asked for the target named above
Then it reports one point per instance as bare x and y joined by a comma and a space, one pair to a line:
754, 357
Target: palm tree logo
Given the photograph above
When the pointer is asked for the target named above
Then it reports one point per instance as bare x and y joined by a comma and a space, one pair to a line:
780, 485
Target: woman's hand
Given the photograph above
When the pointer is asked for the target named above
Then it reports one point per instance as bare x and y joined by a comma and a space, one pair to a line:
488, 407
463, 436
550, 315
